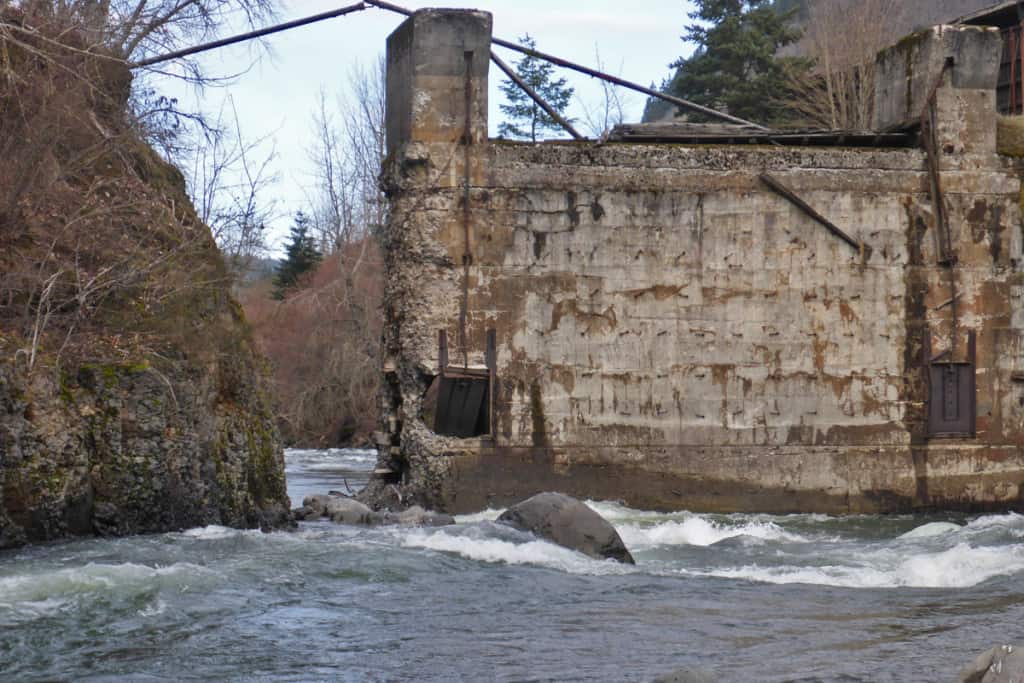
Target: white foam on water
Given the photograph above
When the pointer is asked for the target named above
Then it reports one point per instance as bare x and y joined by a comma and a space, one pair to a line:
215, 532
488, 515
615, 511
961, 566
1011, 521
157, 608
496, 550
336, 466
932, 529
64, 584
700, 531
358, 459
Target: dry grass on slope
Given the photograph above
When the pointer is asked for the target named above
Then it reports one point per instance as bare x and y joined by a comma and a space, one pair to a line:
99, 244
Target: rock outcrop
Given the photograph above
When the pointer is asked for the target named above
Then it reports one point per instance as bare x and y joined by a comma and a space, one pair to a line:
1000, 664
344, 510
132, 398
566, 521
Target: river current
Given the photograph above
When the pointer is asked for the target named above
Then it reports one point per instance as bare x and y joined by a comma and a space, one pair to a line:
745, 597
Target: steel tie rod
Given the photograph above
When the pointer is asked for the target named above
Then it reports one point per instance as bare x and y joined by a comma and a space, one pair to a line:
249, 35
678, 101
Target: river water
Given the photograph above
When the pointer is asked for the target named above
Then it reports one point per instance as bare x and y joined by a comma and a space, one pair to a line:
747, 597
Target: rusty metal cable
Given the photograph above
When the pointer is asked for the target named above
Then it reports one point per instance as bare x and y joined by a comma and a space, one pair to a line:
535, 96
467, 255
678, 101
249, 35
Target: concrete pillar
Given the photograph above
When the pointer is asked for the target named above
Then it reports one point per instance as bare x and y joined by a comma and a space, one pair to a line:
429, 58
966, 98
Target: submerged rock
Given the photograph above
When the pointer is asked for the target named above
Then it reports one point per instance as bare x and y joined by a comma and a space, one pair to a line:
1000, 664
417, 516
346, 510
687, 674
566, 521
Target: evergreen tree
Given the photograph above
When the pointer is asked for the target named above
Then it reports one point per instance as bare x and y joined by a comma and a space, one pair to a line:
301, 256
736, 68
526, 120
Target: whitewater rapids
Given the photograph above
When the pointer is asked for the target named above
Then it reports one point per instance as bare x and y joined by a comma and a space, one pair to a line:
786, 597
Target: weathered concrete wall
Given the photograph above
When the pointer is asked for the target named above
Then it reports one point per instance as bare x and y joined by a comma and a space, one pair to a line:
673, 333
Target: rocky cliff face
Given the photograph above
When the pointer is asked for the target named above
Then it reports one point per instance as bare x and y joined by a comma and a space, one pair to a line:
116, 448
131, 395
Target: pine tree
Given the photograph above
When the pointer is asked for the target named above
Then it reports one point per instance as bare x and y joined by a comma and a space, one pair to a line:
526, 120
301, 256
736, 68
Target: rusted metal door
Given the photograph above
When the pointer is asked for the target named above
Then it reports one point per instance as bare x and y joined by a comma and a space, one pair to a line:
952, 402
465, 395
462, 406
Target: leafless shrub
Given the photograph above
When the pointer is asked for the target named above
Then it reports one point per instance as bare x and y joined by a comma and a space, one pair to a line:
323, 340
346, 159
229, 180
843, 36
323, 344
609, 111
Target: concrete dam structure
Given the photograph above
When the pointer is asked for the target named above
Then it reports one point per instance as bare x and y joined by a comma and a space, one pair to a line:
703, 318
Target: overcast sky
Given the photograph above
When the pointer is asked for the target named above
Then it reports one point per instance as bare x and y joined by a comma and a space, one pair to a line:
637, 40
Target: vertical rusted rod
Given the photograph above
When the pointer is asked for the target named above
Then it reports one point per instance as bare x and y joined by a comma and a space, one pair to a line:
1020, 71
467, 256
442, 351
492, 379
1011, 50
525, 87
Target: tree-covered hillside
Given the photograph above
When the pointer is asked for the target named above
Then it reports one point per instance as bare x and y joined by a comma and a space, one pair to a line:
911, 15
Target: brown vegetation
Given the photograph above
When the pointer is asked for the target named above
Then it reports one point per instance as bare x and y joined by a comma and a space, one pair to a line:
95, 227
131, 398
323, 342
323, 339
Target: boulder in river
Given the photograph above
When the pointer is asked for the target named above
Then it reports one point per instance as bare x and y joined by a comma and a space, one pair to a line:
312, 507
349, 511
346, 510
1000, 664
566, 521
687, 674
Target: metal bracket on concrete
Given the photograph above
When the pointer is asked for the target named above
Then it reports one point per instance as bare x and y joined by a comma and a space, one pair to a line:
787, 193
